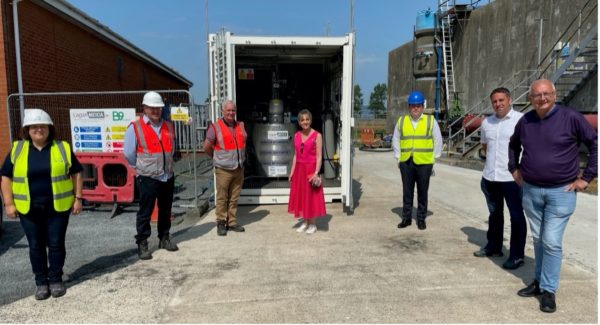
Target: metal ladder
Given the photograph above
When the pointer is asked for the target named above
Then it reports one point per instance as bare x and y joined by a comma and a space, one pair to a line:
445, 8
569, 75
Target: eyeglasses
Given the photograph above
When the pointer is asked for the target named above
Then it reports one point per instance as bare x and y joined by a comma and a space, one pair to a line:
302, 147
542, 95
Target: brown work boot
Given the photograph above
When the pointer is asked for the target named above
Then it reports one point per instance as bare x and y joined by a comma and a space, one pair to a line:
221, 228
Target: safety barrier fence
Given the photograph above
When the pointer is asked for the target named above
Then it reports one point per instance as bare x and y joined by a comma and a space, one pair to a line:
101, 149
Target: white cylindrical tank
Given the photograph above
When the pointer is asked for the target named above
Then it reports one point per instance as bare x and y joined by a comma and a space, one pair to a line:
328, 147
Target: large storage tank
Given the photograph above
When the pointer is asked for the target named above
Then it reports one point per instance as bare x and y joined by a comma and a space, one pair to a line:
273, 143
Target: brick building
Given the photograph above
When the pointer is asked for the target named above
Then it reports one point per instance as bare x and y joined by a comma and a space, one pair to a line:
63, 49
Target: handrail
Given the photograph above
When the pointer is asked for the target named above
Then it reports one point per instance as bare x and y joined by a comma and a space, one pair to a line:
518, 82
564, 33
566, 41
513, 84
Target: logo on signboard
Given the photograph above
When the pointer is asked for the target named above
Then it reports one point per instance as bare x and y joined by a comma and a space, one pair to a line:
95, 114
117, 116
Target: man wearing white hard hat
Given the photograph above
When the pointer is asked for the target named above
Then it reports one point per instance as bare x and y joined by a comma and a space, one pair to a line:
150, 148
42, 185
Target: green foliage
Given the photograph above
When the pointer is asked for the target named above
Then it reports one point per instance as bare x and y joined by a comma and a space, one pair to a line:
358, 100
378, 99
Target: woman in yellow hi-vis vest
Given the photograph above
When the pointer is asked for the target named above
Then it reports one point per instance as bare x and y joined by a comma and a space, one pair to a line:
42, 184
417, 141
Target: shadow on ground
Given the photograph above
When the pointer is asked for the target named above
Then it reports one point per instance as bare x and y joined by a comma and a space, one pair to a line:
478, 237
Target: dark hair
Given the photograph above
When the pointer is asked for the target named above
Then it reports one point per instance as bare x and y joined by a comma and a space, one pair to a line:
51, 133
305, 112
500, 90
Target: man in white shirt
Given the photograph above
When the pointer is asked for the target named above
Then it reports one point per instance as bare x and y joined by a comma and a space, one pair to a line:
497, 183
417, 141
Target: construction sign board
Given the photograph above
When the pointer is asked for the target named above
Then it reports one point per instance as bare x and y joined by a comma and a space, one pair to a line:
100, 129
180, 113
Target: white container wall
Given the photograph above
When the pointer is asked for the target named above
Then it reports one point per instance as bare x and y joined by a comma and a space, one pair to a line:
272, 78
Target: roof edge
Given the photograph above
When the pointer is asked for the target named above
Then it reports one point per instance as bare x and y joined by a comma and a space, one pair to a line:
84, 19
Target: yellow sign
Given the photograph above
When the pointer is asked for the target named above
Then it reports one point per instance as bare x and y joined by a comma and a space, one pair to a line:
180, 113
116, 128
118, 136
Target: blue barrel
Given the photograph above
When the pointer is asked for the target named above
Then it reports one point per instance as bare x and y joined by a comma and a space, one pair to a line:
425, 20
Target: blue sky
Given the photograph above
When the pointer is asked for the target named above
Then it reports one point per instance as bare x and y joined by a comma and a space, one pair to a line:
174, 31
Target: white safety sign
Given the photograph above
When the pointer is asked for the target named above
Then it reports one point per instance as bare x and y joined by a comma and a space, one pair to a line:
100, 129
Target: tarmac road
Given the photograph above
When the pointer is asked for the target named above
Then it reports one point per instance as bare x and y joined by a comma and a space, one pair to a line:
355, 269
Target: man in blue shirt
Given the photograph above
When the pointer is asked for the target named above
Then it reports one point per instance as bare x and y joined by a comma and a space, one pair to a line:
549, 139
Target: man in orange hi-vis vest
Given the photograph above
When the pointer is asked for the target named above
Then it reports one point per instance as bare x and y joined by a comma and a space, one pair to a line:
150, 148
226, 143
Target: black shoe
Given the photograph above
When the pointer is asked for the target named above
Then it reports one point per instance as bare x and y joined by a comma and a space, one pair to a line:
167, 244
57, 289
421, 224
405, 223
531, 290
143, 251
548, 302
221, 228
484, 252
42, 292
513, 263
236, 228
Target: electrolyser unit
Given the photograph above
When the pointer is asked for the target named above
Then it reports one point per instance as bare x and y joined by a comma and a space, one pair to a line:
273, 143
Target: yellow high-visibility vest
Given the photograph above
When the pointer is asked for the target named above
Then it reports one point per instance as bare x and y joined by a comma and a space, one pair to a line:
416, 142
62, 184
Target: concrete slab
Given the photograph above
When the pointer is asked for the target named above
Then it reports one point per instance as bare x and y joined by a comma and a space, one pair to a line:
355, 269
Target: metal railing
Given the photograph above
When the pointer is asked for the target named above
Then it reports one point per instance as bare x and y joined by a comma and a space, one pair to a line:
518, 85
570, 39
59, 105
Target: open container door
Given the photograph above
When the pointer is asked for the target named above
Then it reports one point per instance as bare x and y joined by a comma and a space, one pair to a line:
347, 147
221, 83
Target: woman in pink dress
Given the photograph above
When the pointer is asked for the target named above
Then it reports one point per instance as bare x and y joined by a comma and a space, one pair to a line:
306, 191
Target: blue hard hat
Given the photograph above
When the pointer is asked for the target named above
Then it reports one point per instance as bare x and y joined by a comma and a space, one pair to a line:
416, 98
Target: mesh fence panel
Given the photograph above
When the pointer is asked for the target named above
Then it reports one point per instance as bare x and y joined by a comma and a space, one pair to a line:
189, 134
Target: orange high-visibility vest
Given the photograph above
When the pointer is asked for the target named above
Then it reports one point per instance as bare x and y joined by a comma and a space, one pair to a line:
230, 149
154, 155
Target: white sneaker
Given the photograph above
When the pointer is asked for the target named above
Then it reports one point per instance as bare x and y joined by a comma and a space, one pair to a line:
311, 229
302, 227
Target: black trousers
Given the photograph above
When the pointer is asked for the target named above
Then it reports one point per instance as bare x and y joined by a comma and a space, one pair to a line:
151, 191
46, 230
414, 174
495, 195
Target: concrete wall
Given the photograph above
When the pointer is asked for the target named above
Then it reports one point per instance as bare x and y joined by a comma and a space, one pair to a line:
498, 40
501, 38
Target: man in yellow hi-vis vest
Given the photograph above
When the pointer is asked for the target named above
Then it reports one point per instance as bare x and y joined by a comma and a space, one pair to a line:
417, 142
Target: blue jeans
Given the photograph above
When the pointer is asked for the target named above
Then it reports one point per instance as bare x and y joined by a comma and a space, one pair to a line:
46, 228
548, 211
495, 194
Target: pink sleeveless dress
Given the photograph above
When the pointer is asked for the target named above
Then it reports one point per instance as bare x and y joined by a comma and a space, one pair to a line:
305, 201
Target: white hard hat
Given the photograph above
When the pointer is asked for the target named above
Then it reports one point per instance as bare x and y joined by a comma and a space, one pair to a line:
153, 99
35, 116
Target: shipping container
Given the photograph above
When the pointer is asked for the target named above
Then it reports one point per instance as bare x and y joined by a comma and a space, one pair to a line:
272, 78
